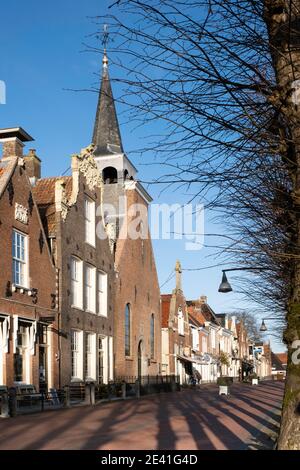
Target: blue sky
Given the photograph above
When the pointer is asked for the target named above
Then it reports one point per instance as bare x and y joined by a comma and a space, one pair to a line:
42, 56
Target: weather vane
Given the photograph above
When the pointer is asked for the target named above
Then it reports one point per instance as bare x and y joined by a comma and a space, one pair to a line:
105, 36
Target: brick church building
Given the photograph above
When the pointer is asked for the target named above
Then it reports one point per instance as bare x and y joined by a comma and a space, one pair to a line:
137, 323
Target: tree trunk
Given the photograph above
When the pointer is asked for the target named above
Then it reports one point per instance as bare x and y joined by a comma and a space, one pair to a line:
283, 22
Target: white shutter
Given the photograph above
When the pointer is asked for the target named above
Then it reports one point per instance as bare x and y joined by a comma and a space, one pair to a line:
15, 333
5, 337
32, 338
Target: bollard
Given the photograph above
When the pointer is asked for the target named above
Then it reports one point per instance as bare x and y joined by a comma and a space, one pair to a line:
4, 406
12, 402
92, 394
137, 388
87, 394
67, 397
124, 390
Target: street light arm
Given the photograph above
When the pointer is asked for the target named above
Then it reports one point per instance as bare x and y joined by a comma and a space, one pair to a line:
246, 269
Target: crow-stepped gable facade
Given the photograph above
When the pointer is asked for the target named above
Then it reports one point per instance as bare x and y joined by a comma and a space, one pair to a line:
68, 206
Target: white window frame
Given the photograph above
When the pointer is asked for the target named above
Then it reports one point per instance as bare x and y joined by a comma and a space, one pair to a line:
77, 372
90, 356
76, 283
90, 221
213, 338
102, 283
180, 319
90, 288
195, 339
22, 261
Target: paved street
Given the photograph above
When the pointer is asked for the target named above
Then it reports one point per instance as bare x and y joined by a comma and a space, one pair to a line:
191, 419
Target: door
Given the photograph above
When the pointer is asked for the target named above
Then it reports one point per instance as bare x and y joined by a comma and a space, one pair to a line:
140, 359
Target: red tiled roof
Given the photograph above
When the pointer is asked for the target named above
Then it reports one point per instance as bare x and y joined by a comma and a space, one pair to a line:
282, 357
196, 314
1, 171
44, 190
165, 309
195, 319
201, 310
44, 195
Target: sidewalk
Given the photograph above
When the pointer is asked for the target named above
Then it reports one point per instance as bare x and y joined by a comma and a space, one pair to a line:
190, 419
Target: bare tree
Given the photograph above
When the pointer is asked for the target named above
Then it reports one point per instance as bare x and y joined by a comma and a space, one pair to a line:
249, 320
221, 77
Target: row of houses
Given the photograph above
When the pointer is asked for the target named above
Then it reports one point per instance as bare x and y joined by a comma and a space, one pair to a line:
198, 342
79, 293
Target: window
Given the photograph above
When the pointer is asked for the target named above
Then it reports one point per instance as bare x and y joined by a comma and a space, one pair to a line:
127, 330
204, 345
152, 337
195, 339
90, 292
180, 322
76, 282
102, 293
90, 356
20, 257
75, 354
213, 338
20, 356
100, 361
89, 215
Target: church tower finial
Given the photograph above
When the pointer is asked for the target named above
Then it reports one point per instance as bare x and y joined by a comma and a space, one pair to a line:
106, 136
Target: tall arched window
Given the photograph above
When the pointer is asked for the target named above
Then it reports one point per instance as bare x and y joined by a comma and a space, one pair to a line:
152, 336
127, 330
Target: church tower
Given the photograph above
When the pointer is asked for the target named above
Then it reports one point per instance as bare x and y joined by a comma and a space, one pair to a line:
137, 322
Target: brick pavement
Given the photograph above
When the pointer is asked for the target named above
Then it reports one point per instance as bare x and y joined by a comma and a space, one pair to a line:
190, 419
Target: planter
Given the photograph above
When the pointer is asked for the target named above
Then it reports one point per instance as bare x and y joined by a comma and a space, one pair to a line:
223, 390
254, 381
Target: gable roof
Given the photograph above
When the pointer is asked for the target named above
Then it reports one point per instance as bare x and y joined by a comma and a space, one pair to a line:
276, 362
282, 358
44, 190
201, 311
44, 194
7, 168
195, 320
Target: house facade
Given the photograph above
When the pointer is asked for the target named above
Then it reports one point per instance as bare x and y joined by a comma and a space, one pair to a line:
28, 299
70, 208
137, 320
176, 334
200, 311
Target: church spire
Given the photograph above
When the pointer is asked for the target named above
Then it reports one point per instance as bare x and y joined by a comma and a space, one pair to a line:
106, 137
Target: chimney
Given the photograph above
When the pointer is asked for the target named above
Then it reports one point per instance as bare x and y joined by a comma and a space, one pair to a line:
33, 166
178, 275
203, 299
12, 141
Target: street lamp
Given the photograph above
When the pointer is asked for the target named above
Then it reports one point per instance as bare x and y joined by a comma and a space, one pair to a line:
263, 326
225, 286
